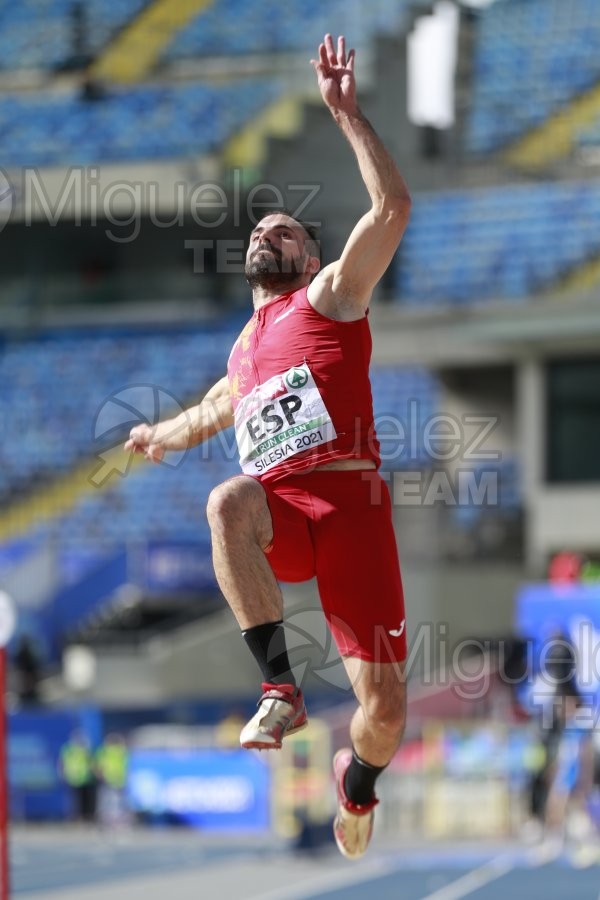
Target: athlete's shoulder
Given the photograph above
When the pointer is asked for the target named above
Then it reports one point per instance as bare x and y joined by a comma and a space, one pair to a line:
325, 299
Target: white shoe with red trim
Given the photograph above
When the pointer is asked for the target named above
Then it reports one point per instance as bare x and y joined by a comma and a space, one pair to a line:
281, 712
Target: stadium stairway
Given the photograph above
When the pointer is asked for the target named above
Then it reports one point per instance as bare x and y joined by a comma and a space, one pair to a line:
556, 138
280, 119
131, 56
284, 129
60, 497
579, 279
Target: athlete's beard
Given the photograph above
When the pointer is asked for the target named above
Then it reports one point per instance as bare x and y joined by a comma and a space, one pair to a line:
268, 271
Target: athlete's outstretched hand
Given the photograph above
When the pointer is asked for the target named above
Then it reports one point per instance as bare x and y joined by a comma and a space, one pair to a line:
335, 75
141, 441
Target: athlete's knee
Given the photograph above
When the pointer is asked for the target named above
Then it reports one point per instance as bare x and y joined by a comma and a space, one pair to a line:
385, 710
237, 505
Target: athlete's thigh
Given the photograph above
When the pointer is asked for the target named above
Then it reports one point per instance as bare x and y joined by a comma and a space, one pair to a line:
358, 571
241, 498
290, 553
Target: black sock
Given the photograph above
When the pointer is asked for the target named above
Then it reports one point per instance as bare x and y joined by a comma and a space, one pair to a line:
267, 645
360, 778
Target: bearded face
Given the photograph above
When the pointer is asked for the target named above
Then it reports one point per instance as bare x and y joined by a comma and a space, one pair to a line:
277, 257
269, 268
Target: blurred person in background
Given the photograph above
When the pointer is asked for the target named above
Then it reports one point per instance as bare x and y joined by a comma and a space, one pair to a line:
77, 769
111, 761
27, 669
541, 698
571, 773
310, 501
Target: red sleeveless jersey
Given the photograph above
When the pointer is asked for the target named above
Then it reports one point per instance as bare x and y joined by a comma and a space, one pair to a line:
300, 388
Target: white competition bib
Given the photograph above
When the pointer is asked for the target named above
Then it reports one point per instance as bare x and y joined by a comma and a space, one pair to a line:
280, 418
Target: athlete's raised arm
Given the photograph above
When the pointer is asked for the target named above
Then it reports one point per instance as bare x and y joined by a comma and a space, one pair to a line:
191, 427
344, 287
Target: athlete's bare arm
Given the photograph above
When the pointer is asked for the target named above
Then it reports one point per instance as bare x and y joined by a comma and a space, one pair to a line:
343, 288
191, 427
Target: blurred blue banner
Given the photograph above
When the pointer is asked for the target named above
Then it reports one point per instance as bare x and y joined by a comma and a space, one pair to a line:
178, 566
216, 790
569, 614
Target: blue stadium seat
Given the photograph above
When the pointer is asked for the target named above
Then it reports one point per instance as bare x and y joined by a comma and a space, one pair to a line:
190, 119
229, 27
403, 400
37, 34
531, 59
59, 394
496, 243
503, 475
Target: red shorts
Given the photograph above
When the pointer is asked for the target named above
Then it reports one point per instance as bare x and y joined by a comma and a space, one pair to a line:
337, 526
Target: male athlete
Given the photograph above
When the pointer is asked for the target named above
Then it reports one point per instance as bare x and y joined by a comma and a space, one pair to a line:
310, 501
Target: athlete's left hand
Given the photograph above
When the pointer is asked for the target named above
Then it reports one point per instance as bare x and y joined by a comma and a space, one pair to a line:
335, 75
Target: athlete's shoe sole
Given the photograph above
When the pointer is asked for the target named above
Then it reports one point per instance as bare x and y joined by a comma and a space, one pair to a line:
281, 712
271, 745
353, 823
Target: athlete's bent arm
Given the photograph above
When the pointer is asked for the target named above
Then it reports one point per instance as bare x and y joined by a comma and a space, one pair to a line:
213, 414
349, 281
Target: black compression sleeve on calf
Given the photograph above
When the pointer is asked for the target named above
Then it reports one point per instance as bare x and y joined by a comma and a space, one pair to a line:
360, 778
267, 645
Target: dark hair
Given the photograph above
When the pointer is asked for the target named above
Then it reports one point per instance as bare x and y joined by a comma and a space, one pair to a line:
311, 230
